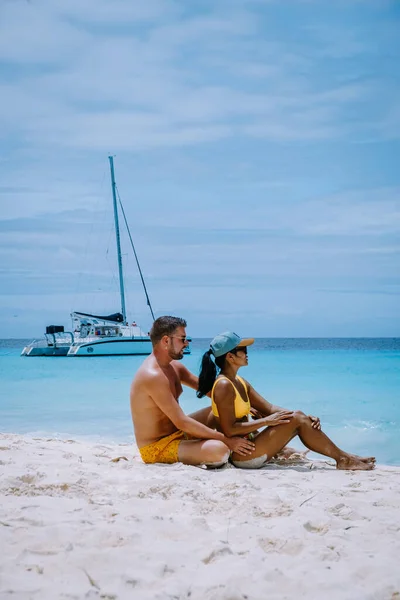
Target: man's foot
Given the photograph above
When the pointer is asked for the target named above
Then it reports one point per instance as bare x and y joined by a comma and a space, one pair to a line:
349, 462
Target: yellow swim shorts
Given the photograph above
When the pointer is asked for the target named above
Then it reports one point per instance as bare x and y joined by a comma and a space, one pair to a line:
164, 450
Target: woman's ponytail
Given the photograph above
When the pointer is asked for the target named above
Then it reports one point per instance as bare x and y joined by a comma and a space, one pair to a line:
208, 374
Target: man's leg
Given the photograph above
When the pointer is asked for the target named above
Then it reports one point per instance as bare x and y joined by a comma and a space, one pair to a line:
211, 453
273, 439
203, 452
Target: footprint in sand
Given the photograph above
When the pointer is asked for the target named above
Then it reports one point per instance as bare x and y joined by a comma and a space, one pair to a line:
320, 528
291, 547
345, 512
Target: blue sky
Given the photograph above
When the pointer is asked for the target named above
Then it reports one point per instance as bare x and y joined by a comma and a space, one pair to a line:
257, 148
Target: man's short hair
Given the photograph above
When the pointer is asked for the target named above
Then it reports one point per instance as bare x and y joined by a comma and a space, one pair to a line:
165, 326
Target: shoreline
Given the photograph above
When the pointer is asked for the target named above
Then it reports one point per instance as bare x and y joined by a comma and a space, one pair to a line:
77, 523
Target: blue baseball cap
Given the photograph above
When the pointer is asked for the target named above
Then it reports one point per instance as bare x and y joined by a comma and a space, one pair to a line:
227, 341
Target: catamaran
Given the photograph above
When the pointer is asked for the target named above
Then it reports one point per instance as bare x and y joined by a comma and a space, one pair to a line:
96, 335
107, 336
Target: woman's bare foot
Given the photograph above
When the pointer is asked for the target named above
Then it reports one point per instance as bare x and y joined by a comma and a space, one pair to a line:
349, 462
366, 459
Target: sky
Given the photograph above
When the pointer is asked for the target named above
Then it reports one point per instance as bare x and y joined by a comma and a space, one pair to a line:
257, 156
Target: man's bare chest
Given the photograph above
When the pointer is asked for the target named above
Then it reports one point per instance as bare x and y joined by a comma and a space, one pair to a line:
174, 382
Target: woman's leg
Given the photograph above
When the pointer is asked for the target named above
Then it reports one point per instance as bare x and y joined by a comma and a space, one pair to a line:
205, 416
273, 439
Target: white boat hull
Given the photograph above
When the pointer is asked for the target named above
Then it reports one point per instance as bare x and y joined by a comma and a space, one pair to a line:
53, 344
45, 351
115, 347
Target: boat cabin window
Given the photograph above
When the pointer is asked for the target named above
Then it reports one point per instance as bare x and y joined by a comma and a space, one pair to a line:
106, 330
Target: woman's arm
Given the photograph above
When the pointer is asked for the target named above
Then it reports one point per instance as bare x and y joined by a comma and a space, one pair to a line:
264, 407
261, 404
224, 397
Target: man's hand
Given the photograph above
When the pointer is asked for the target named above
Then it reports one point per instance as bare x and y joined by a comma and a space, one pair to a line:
315, 422
240, 445
279, 418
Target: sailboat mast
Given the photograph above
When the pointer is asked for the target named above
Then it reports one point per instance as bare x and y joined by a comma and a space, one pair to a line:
120, 272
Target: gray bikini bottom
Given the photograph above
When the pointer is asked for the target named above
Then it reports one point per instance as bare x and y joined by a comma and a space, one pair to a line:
253, 463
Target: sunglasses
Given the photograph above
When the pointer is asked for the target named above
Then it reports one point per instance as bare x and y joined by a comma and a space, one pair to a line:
239, 349
182, 339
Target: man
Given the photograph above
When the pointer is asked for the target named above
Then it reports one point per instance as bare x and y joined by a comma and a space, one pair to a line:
163, 432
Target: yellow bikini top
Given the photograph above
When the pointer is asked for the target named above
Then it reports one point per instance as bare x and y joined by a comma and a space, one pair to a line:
242, 407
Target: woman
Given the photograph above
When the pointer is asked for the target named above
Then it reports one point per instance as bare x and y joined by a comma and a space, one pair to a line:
233, 399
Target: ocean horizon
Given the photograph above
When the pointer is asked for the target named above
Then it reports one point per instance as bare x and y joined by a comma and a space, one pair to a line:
352, 384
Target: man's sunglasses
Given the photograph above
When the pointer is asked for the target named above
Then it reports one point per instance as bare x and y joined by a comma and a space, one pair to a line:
182, 339
239, 349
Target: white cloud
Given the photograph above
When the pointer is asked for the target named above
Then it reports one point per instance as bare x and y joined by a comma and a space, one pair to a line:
126, 90
356, 213
30, 34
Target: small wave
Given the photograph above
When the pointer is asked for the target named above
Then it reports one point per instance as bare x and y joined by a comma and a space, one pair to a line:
370, 425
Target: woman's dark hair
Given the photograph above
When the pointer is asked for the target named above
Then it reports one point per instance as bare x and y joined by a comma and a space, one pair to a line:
208, 372
165, 326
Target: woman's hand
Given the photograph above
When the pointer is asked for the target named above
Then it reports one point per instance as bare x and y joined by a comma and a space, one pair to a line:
279, 418
255, 414
240, 445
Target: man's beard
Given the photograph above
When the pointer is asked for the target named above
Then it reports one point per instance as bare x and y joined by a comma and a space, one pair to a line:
175, 355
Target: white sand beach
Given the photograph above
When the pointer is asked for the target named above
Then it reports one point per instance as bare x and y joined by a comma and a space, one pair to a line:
75, 524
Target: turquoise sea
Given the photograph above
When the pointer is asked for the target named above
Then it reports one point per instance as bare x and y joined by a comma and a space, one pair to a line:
353, 385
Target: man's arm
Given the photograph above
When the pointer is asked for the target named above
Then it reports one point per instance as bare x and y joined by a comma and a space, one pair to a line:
160, 392
186, 377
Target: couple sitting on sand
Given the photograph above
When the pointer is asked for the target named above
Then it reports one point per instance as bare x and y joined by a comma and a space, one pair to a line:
164, 434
